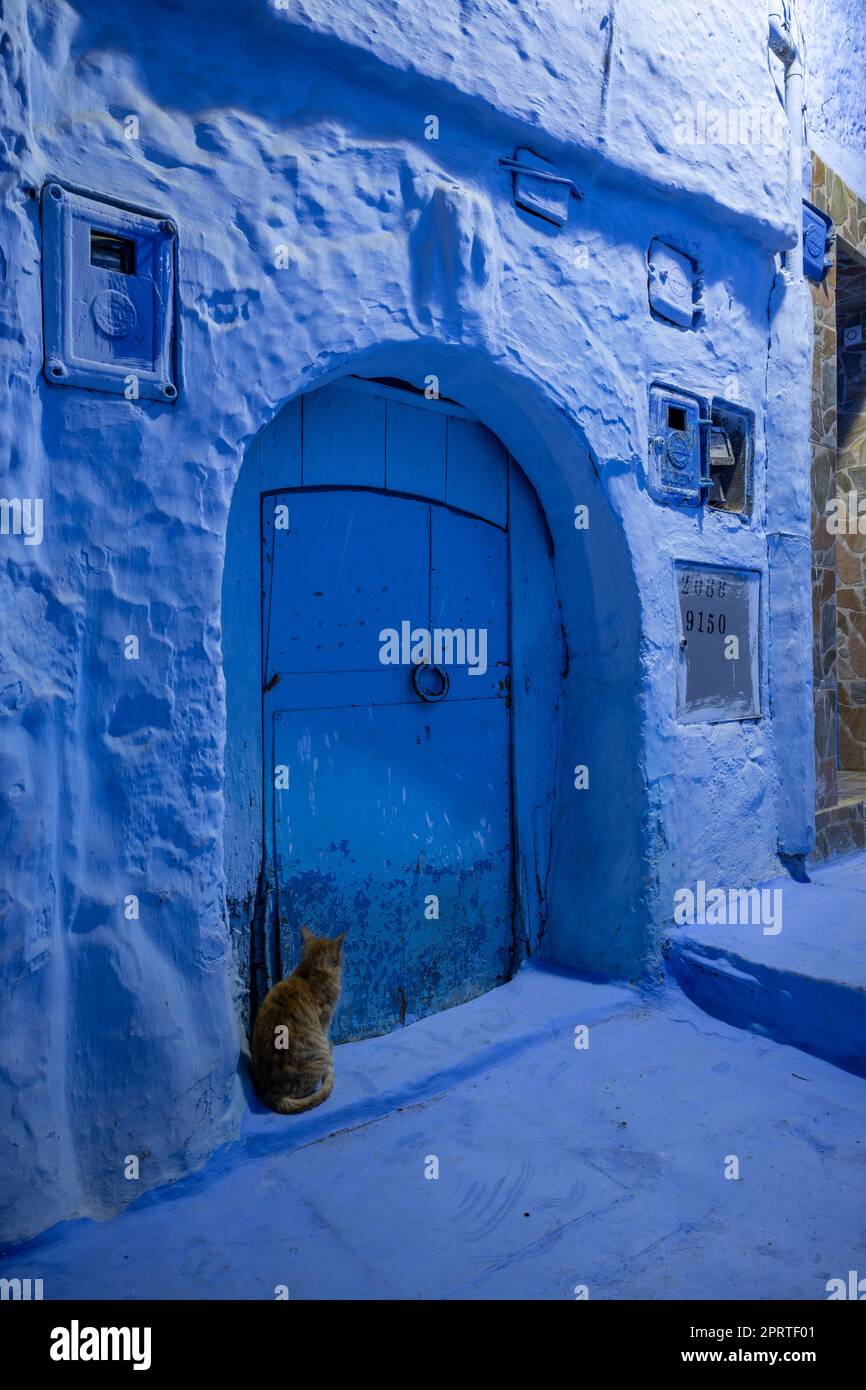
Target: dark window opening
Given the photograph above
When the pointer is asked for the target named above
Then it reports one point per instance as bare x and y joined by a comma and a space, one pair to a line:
115, 253
850, 355
730, 447
676, 418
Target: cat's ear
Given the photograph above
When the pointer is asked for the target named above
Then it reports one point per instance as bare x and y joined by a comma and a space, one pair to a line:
306, 934
338, 945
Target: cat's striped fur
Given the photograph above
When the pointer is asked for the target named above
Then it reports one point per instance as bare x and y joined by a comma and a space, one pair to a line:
291, 1053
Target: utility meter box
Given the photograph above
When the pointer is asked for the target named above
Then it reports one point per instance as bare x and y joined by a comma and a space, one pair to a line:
701, 450
817, 238
731, 449
108, 277
537, 194
674, 291
676, 446
718, 675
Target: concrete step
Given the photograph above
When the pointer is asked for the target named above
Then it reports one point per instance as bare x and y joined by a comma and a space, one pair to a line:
804, 984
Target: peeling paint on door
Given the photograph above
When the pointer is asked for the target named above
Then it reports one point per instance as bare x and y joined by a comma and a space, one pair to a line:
395, 801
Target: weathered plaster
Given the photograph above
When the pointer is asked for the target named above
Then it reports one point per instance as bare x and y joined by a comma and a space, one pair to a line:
259, 130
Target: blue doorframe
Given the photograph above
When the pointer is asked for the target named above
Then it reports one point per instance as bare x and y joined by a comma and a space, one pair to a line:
415, 464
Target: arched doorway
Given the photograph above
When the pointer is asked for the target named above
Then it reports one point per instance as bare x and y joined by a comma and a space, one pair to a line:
406, 596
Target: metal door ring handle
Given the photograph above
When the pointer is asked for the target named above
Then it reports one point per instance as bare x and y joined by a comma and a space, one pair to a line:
430, 682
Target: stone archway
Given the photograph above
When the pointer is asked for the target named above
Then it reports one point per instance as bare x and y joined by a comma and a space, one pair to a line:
574, 850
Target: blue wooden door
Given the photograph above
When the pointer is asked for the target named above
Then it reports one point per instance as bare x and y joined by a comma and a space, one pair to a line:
389, 812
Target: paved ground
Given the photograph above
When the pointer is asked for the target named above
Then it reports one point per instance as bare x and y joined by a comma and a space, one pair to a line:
558, 1167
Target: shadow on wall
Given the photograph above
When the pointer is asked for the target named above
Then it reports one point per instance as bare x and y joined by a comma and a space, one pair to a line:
578, 859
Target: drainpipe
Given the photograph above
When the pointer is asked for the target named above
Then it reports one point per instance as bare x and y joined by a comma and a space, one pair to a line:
785, 46
789, 547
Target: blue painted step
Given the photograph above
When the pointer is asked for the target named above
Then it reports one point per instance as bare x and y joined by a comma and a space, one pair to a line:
805, 986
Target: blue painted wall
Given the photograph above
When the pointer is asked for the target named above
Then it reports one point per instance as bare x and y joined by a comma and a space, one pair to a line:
835, 65
320, 233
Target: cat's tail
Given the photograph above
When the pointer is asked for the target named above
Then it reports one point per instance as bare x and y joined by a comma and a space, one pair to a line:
292, 1105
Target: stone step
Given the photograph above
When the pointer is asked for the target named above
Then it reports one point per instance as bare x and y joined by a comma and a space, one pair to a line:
804, 984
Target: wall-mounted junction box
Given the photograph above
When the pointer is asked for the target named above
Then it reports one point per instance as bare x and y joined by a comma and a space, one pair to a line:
676, 452
674, 285
701, 450
108, 296
718, 673
817, 241
731, 452
539, 188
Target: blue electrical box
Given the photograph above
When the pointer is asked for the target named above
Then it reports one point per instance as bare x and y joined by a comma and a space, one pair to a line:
677, 446
108, 276
718, 604
817, 230
543, 192
674, 288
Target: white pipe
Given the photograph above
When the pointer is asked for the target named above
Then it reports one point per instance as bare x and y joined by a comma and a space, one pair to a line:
782, 42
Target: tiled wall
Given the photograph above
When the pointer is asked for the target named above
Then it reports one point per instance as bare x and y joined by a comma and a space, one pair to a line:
851, 548
838, 561
823, 488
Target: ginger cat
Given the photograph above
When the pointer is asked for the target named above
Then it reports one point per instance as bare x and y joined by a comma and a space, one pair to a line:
290, 1051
